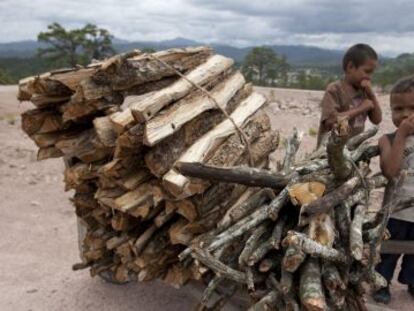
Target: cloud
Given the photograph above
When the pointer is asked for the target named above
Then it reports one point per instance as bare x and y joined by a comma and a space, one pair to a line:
325, 23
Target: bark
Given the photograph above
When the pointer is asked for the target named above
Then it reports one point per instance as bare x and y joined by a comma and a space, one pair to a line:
143, 239
252, 243
207, 259
210, 289
313, 248
293, 258
357, 140
277, 232
268, 302
248, 203
311, 291
356, 242
250, 221
292, 146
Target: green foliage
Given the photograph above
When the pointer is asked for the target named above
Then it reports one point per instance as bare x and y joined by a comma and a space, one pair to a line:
311, 81
394, 69
148, 50
76, 46
18, 68
264, 67
5, 77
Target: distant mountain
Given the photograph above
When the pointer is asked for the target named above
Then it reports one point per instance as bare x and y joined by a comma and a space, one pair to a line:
296, 55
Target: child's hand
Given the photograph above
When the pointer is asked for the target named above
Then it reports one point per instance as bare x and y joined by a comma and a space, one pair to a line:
367, 87
367, 105
407, 126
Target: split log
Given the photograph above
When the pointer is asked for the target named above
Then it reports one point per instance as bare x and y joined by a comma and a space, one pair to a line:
325, 203
171, 120
161, 158
147, 108
37, 121
130, 142
103, 128
85, 146
135, 69
139, 201
232, 151
76, 111
174, 182
47, 101
48, 152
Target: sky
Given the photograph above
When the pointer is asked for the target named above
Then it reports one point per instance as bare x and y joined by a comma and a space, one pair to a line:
336, 24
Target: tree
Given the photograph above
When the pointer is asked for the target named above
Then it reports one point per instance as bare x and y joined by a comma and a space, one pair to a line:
264, 67
6, 78
75, 46
97, 42
393, 69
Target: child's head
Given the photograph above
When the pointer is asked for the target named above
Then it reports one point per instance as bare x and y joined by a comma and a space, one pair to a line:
402, 100
359, 63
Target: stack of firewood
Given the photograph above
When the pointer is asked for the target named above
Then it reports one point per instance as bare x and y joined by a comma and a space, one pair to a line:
121, 125
167, 155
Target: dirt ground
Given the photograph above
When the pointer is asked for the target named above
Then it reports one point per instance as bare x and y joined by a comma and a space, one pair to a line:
38, 226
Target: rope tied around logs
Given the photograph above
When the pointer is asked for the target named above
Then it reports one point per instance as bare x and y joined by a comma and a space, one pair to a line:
242, 135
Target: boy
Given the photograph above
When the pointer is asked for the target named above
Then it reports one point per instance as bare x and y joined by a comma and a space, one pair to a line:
351, 97
397, 160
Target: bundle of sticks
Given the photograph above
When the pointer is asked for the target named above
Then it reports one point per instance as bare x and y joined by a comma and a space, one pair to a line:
121, 125
167, 154
308, 244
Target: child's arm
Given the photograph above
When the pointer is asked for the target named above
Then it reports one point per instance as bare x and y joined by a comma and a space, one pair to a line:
391, 155
331, 105
366, 106
375, 114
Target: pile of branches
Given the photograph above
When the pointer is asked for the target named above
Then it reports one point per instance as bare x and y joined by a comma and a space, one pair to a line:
307, 244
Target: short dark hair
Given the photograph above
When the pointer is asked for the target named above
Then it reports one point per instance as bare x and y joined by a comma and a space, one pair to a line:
358, 54
404, 85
